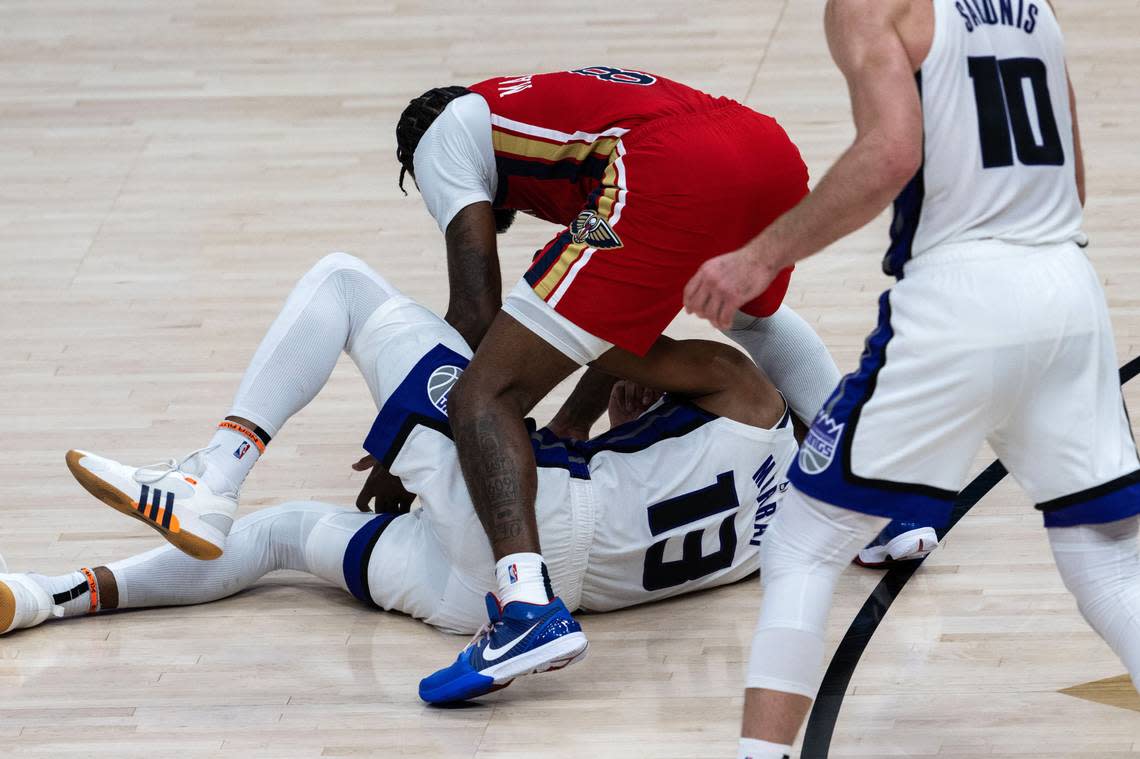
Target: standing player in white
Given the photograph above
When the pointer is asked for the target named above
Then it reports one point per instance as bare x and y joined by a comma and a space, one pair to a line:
997, 330
673, 501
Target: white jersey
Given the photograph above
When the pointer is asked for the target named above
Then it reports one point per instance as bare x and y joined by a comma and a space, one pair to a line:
998, 156
675, 501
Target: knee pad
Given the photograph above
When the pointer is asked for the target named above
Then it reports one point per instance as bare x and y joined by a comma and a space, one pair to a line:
806, 548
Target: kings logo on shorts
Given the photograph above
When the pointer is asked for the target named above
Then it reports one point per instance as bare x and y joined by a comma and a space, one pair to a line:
439, 384
819, 446
593, 230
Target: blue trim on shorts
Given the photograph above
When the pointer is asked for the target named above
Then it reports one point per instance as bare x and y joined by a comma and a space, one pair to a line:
416, 402
822, 469
908, 212
359, 553
1110, 502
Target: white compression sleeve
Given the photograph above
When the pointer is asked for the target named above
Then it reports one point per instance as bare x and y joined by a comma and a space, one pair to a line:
1100, 565
321, 318
793, 356
265, 541
808, 545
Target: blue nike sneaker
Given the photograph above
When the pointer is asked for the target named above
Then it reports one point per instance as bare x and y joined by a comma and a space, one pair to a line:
899, 541
520, 639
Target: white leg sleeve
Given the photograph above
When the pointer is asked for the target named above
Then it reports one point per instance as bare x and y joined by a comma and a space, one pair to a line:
1100, 565
806, 548
268, 540
321, 318
789, 351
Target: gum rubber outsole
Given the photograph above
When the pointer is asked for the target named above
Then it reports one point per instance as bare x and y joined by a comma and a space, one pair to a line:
187, 542
7, 607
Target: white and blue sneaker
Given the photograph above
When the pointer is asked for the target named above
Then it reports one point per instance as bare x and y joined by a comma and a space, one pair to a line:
520, 639
899, 541
170, 497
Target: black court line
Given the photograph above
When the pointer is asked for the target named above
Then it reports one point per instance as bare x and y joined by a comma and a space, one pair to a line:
825, 712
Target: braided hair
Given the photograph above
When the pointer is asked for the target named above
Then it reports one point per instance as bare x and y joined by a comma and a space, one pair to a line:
420, 114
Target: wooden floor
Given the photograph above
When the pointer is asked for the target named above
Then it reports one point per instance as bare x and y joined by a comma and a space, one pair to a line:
167, 170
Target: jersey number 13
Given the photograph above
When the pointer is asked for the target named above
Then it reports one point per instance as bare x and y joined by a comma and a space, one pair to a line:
690, 508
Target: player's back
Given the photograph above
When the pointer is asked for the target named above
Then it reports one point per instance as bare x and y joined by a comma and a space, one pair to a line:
999, 160
682, 500
588, 101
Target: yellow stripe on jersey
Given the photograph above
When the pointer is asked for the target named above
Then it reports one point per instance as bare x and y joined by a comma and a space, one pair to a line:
606, 203
528, 147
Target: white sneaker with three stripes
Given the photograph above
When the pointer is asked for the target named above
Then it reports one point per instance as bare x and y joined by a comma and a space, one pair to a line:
170, 497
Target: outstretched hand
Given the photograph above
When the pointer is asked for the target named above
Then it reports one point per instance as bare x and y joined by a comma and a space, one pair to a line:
382, 492
725, 283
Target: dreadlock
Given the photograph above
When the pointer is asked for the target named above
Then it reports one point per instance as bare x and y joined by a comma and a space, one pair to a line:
415, 120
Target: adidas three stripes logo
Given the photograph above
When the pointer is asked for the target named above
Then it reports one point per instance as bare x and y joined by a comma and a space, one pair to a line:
151, 511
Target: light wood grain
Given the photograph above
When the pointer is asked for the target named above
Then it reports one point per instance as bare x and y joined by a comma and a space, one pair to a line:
167, 170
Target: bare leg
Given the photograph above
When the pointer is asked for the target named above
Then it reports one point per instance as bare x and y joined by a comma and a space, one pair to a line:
512, 370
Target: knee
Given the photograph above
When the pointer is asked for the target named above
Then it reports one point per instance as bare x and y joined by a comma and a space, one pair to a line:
476, 391
1098, 563
335, 263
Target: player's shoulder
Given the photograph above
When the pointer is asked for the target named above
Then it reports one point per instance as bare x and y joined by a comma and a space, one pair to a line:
858, 12
470, 112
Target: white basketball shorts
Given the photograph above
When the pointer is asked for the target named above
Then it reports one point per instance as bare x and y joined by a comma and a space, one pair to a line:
981, 341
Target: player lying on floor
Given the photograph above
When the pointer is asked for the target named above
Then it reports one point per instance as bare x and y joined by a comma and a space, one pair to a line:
672, 502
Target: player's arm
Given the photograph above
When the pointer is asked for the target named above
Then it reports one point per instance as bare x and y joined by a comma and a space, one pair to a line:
588, 401
474, 281
887, 152
1078, 152
1079, 156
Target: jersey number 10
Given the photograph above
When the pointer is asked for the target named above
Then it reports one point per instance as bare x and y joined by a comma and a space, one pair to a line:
999, 88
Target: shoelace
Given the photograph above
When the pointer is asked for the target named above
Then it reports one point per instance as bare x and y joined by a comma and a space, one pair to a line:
152, 473
485, 632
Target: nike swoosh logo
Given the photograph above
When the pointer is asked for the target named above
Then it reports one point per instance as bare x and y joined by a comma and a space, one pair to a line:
491, 653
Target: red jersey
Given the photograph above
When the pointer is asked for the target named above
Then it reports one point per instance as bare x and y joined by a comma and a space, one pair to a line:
555, 134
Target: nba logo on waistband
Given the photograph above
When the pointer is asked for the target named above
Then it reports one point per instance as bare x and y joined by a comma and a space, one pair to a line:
819, 446
513, 573
241, 451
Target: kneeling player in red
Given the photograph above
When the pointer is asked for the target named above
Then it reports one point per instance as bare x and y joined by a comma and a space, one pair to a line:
648, 178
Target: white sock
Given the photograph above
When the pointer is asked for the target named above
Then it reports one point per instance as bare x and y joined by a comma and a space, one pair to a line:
77, 593
523, 577
751, 748
234, 450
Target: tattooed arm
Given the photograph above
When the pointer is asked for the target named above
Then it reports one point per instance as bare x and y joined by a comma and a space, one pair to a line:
474, 280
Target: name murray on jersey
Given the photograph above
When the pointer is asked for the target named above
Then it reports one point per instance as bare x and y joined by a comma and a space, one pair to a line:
1016, 13
765, 479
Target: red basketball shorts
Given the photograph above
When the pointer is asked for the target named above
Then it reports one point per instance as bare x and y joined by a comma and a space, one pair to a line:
678, 191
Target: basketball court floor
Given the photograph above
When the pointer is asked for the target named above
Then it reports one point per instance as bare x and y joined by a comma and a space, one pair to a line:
168, 169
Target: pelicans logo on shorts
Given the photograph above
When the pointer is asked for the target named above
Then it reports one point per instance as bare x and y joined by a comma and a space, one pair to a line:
593, 230
820, 445
439, 384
